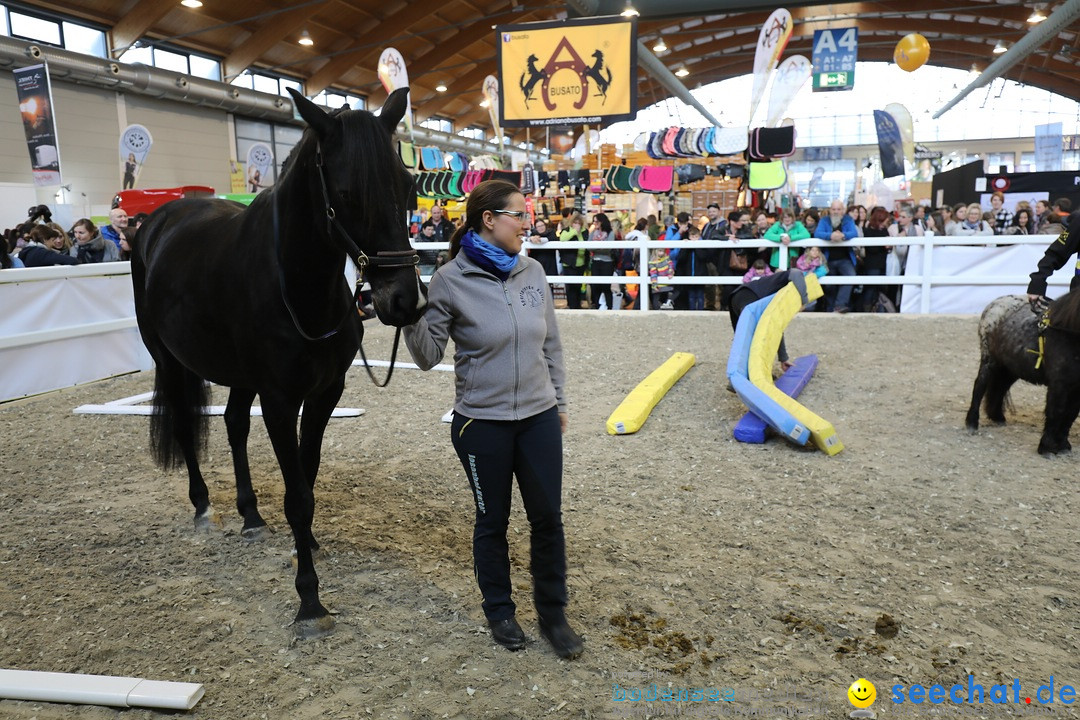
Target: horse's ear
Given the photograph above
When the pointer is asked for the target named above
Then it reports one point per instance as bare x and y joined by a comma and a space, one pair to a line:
394, 109
313, 114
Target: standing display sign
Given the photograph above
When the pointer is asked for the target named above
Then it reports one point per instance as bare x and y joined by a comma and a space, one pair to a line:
36, 108
259, 159
135, 144
567, 72
835, 53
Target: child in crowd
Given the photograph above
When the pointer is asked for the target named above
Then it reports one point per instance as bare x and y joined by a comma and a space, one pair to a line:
759, 270
660, 270
810, 260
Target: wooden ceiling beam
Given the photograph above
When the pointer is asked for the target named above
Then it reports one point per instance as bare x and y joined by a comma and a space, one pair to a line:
470, 81
134, 23
415, 13
267, 36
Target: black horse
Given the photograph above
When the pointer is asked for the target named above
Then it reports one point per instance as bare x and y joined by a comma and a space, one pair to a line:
256, 299
1014, 348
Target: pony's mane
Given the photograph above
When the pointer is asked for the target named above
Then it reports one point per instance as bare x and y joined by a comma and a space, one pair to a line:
1065, 311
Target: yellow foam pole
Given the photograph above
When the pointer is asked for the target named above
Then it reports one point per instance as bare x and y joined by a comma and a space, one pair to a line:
763, 349
634, 410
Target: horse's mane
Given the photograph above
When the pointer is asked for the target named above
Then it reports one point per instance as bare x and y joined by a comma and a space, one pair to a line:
1065, 312
366, 149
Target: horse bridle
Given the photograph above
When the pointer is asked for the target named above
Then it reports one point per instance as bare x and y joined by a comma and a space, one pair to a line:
383, 259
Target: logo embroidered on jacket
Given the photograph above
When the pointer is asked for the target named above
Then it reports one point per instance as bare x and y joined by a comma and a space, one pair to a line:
531, 297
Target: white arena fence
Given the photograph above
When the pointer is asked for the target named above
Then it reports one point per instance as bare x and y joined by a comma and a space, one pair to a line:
64, 326
956, 275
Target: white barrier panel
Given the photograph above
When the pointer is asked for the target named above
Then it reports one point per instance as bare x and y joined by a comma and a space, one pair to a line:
62, 326
956, 270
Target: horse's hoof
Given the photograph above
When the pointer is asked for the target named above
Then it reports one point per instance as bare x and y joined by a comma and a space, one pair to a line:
1050, 449
973, 429
209, 521
313, 628
256, 534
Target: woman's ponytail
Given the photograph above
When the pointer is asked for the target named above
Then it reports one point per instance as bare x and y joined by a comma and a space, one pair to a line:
455, 239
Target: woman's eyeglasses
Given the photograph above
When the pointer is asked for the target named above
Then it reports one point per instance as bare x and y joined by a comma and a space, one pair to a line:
516, 214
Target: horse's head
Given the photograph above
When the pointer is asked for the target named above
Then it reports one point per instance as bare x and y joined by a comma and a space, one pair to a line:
368, 189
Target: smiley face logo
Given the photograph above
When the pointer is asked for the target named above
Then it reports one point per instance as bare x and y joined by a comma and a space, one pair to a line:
862, 693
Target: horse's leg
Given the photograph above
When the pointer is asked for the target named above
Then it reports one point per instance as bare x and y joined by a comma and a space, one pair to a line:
317, 410
238, 424
977, 392
997, 390
1062, 407
279, 414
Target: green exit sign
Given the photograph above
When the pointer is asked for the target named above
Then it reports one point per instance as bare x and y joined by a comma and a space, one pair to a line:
834, 81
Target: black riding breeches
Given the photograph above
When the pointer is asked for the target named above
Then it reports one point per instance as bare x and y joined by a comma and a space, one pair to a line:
493, 452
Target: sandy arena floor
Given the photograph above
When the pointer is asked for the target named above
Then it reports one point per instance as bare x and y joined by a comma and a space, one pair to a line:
695, 560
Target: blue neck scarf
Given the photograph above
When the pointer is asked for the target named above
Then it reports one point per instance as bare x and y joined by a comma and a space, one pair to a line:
489, 257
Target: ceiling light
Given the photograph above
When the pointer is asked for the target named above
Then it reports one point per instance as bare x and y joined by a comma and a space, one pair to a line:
441, 87
1036, 16
682, 72
305, 39
191, 3
629, 11
1000, 48
570, 133
659, 46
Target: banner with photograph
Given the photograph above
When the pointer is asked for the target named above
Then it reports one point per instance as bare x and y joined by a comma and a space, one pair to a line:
36, 107
135, 144
260, 158
568, 72
890, 144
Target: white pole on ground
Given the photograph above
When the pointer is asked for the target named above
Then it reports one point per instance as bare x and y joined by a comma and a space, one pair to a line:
98, 690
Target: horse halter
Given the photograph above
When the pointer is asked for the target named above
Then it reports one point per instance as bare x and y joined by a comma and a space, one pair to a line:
383, 258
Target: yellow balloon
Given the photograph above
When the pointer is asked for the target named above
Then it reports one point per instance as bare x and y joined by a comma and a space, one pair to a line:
911, 52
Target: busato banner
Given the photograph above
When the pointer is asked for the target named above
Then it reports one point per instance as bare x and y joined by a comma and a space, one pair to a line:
35, 105
568, 72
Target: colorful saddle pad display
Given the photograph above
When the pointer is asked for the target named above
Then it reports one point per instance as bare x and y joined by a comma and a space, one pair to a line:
766, 175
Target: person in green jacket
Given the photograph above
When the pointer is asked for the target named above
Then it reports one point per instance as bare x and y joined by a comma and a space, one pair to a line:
785, 232
574, 262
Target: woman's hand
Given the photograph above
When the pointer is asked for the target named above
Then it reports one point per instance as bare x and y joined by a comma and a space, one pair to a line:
564, 420
785, 239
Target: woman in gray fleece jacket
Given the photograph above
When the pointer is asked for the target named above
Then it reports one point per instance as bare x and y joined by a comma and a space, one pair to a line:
510, 409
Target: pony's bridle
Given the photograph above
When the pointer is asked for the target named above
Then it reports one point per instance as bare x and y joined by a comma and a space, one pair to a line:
384, 259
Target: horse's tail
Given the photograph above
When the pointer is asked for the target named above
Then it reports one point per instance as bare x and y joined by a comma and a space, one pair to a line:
178, 419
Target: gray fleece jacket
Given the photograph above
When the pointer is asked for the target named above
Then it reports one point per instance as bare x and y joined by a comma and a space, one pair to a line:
508, 357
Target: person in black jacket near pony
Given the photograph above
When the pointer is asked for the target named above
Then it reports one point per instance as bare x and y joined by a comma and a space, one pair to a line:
1059, 252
